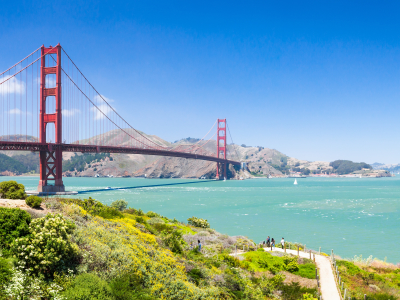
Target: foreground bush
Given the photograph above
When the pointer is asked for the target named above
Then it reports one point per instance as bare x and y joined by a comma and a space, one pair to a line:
197, 222
12, 190
33, 201
47, 249
14, 223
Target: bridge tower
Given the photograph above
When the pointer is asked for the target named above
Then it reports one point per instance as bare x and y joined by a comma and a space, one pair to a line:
221, 148
50, 160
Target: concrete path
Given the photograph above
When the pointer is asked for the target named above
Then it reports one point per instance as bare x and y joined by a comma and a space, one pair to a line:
327, 281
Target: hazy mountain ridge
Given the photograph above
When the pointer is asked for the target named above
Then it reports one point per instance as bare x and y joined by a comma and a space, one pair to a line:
260, 161
387, 167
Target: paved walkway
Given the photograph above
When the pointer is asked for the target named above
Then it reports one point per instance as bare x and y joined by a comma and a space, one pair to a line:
327, 281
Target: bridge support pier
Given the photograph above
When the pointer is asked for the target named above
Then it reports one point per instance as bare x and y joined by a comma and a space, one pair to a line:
222, 171
51, 160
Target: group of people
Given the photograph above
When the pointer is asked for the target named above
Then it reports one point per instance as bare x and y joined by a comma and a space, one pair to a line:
271, 242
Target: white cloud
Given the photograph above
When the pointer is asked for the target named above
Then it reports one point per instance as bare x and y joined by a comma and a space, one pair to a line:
11, 86
17, 111
102, 108
50, 82
70, 112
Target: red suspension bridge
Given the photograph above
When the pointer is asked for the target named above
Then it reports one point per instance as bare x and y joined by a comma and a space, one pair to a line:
48, 105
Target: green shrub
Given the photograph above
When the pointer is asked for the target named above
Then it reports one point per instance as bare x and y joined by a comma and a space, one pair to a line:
14, 223
48, 248
174, 241
229, 260
12, 190
291, 263
162, 227
151, 214
119, 205
127, 287
196, 275
33, 201
294, 291
5, 271
381, 296
153, 221
88, 286
197, 222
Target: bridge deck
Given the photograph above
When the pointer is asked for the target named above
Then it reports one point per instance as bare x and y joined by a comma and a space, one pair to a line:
28, 146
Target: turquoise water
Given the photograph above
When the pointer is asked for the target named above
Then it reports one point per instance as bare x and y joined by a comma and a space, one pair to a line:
353, 216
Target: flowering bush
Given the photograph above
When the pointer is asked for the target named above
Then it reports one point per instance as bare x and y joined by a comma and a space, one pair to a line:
33, 201
197, 222
12, 190
47, 249
25, 286
95, 208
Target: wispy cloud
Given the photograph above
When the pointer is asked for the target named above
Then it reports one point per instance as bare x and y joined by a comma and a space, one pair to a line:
50, 82
17, 111
70, 112
11, 86
102, 108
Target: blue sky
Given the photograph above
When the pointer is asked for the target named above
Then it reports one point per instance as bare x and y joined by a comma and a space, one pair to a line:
312, 79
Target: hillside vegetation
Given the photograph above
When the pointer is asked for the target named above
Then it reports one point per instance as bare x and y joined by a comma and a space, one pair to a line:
346, 166
10, 164
86, 250
376, 279
80, 162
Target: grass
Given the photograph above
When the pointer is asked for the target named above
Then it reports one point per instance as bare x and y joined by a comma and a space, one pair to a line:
306, 270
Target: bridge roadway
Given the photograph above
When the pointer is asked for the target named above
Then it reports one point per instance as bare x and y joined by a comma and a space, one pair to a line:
29, 146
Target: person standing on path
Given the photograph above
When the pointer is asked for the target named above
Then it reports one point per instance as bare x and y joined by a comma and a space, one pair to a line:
273, 242
283, 242
268, 241
199, 243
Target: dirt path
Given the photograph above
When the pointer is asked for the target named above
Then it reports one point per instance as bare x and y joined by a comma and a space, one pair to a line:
327, 281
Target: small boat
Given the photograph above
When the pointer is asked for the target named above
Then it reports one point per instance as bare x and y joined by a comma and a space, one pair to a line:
108, 188
360, 176
295, 181
224, 178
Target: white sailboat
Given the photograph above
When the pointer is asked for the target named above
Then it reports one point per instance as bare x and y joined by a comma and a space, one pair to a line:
295, 181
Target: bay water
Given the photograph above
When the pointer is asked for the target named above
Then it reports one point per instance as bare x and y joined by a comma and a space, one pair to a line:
352, 216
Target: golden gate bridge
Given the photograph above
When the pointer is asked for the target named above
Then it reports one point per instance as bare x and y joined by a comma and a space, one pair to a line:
47, 105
